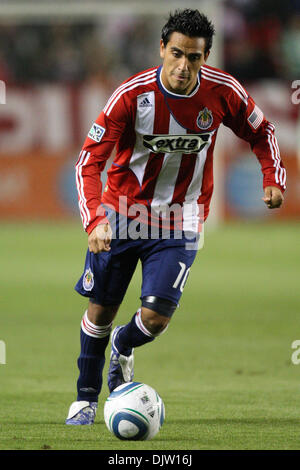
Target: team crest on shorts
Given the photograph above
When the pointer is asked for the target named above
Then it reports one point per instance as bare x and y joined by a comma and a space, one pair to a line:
205, 119
88, 280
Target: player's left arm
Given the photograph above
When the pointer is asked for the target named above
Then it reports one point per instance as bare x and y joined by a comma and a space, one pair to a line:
248, 122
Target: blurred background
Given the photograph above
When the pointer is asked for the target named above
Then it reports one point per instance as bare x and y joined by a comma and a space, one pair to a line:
61, 60
230, 380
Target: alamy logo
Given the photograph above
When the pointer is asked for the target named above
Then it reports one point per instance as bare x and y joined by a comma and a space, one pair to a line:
296, 94
188, 143
2, 92
2, 352
296, 354
145, 103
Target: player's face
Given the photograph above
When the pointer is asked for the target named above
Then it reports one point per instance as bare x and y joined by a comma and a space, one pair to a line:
182, 59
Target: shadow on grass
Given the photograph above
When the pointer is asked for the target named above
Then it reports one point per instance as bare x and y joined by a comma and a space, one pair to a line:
237, 421
181, 421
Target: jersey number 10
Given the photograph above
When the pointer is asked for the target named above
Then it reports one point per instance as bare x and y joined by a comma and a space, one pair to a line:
182, 277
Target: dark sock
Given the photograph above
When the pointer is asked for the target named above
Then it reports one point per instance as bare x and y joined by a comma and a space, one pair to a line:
132, 335
93, 341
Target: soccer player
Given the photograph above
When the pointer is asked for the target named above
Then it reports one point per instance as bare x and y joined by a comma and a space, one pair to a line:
164, 122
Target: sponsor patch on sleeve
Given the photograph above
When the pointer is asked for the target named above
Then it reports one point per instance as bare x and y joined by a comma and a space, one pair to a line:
96, 132
256, 117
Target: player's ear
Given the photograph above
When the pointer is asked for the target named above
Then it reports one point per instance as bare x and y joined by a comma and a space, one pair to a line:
162, 49
206, 55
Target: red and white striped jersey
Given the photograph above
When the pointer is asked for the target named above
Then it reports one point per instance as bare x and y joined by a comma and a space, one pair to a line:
165, 141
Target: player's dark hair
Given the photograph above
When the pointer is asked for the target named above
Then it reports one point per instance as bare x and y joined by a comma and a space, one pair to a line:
191, 23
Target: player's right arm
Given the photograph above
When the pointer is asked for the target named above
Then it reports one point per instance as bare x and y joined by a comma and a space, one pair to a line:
97, 148
99, 239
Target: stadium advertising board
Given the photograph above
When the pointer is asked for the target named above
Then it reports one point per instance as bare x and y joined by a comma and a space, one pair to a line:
42, 129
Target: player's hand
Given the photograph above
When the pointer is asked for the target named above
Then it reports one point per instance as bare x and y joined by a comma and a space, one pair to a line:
99, 239
273, 197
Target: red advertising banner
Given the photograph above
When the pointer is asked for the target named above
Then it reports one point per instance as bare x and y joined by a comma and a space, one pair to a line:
35, 185
243, 189
42, 129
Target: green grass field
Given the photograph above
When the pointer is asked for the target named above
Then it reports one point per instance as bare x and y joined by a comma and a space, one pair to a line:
223, 368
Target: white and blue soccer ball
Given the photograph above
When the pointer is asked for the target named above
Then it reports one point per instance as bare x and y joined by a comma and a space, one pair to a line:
134, 411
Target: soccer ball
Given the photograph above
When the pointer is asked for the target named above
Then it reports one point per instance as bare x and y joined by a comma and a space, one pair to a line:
134, 411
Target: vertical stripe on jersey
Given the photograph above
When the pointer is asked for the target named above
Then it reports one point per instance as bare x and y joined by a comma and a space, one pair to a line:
188, 186
144, 124
155, 160
194, 189
166, 181
82, 203
184, 177
191, 211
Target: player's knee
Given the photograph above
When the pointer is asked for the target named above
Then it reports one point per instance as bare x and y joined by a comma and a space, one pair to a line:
156, 314
154, 322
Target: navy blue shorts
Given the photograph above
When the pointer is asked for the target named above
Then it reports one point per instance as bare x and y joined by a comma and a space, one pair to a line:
165, 268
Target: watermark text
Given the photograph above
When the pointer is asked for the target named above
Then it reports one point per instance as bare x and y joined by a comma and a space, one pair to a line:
296, 354
2, 92
296, 94
169, 221
2, 352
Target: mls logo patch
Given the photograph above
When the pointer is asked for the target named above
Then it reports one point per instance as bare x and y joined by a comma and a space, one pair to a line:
204, 119
88, 280
96, 132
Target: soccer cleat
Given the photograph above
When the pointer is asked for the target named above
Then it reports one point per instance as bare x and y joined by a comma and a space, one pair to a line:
82, 413
120, 366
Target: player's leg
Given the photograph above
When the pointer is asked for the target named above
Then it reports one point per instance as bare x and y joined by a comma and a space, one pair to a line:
94, 337
144, 327
165, 271
105, 280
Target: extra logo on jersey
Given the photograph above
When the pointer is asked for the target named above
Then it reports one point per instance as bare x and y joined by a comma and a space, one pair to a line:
88, 280
205, 119
96, 132
188, 143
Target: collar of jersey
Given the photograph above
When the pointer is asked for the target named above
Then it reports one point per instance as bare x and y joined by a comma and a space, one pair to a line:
168, 93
